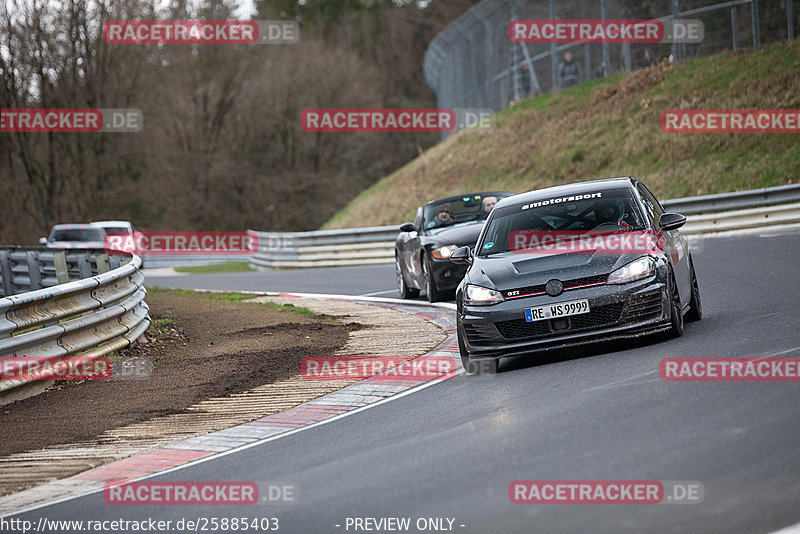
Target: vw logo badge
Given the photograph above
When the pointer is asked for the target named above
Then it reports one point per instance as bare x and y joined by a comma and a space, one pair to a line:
554, 287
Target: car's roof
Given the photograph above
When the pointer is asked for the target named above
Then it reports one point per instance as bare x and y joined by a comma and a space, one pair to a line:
569, 189
459, 197
109, 223
74, 226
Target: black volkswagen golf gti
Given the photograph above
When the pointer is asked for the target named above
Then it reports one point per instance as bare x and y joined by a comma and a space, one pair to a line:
573, 264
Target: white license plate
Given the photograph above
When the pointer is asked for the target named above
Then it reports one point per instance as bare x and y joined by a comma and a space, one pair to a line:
554, 311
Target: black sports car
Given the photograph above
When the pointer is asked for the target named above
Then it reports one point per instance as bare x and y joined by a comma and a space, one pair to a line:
423, 248
570, 265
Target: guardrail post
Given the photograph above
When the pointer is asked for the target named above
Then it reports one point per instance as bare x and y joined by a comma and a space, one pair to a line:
102, 263
60, 262
84, 267
34, 274
6, 273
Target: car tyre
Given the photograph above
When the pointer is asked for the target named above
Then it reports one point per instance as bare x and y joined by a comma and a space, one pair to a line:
405, 291
695, 312
472, 367
676, 312
434, 295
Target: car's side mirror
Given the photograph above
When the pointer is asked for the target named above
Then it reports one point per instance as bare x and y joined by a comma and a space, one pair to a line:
671, 221
408, 227
461, 256
42, 240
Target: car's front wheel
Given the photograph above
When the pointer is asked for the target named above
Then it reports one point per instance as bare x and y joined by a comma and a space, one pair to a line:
695, 312
434, 295
405, 291
676, 312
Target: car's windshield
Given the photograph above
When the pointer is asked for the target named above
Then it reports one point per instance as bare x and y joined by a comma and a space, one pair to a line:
605, 211
78, 234
468, 209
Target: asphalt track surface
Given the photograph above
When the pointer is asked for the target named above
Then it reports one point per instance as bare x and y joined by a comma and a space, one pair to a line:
601, 413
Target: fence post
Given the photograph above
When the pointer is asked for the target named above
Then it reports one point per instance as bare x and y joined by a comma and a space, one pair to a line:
587, 61
626, 50
606, 51
676, 14
488, 55
756, 25
789, 20
734, 28
553, 51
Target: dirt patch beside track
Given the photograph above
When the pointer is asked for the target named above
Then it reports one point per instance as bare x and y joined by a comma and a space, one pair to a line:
202, 345
218, 363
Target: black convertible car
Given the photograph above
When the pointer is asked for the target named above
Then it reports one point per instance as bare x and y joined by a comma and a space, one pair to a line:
422, 249
573, 264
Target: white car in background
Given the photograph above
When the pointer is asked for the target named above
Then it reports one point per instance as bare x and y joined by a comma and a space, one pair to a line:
75, 236
115, 227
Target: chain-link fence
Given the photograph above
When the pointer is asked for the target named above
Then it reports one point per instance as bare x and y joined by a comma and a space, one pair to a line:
473, 63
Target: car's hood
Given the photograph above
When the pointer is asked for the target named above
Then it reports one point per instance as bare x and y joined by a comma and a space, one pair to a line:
457, 235
515, 270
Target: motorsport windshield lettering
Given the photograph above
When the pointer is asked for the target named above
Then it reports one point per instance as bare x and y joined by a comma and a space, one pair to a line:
570, 198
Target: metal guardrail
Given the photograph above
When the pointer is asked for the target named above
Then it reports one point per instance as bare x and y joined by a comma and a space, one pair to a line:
81, 320
30, 268
325, 248
153, 261
771, 206
754, 198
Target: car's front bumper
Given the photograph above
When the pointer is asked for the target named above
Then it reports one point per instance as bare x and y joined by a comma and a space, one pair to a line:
446, 274
616, 311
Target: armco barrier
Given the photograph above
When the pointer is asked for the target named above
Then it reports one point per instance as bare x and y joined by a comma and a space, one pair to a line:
82, 319
772, 206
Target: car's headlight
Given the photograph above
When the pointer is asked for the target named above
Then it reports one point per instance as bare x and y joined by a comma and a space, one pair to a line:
482, 295
442, 253
635, 270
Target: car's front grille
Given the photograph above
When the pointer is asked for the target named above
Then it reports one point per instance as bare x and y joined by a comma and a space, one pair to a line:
575, 283
645, 307
519, 329
479, 333
596, 318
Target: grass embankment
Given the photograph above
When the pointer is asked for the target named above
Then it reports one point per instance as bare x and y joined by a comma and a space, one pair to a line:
225, 267
607, 128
